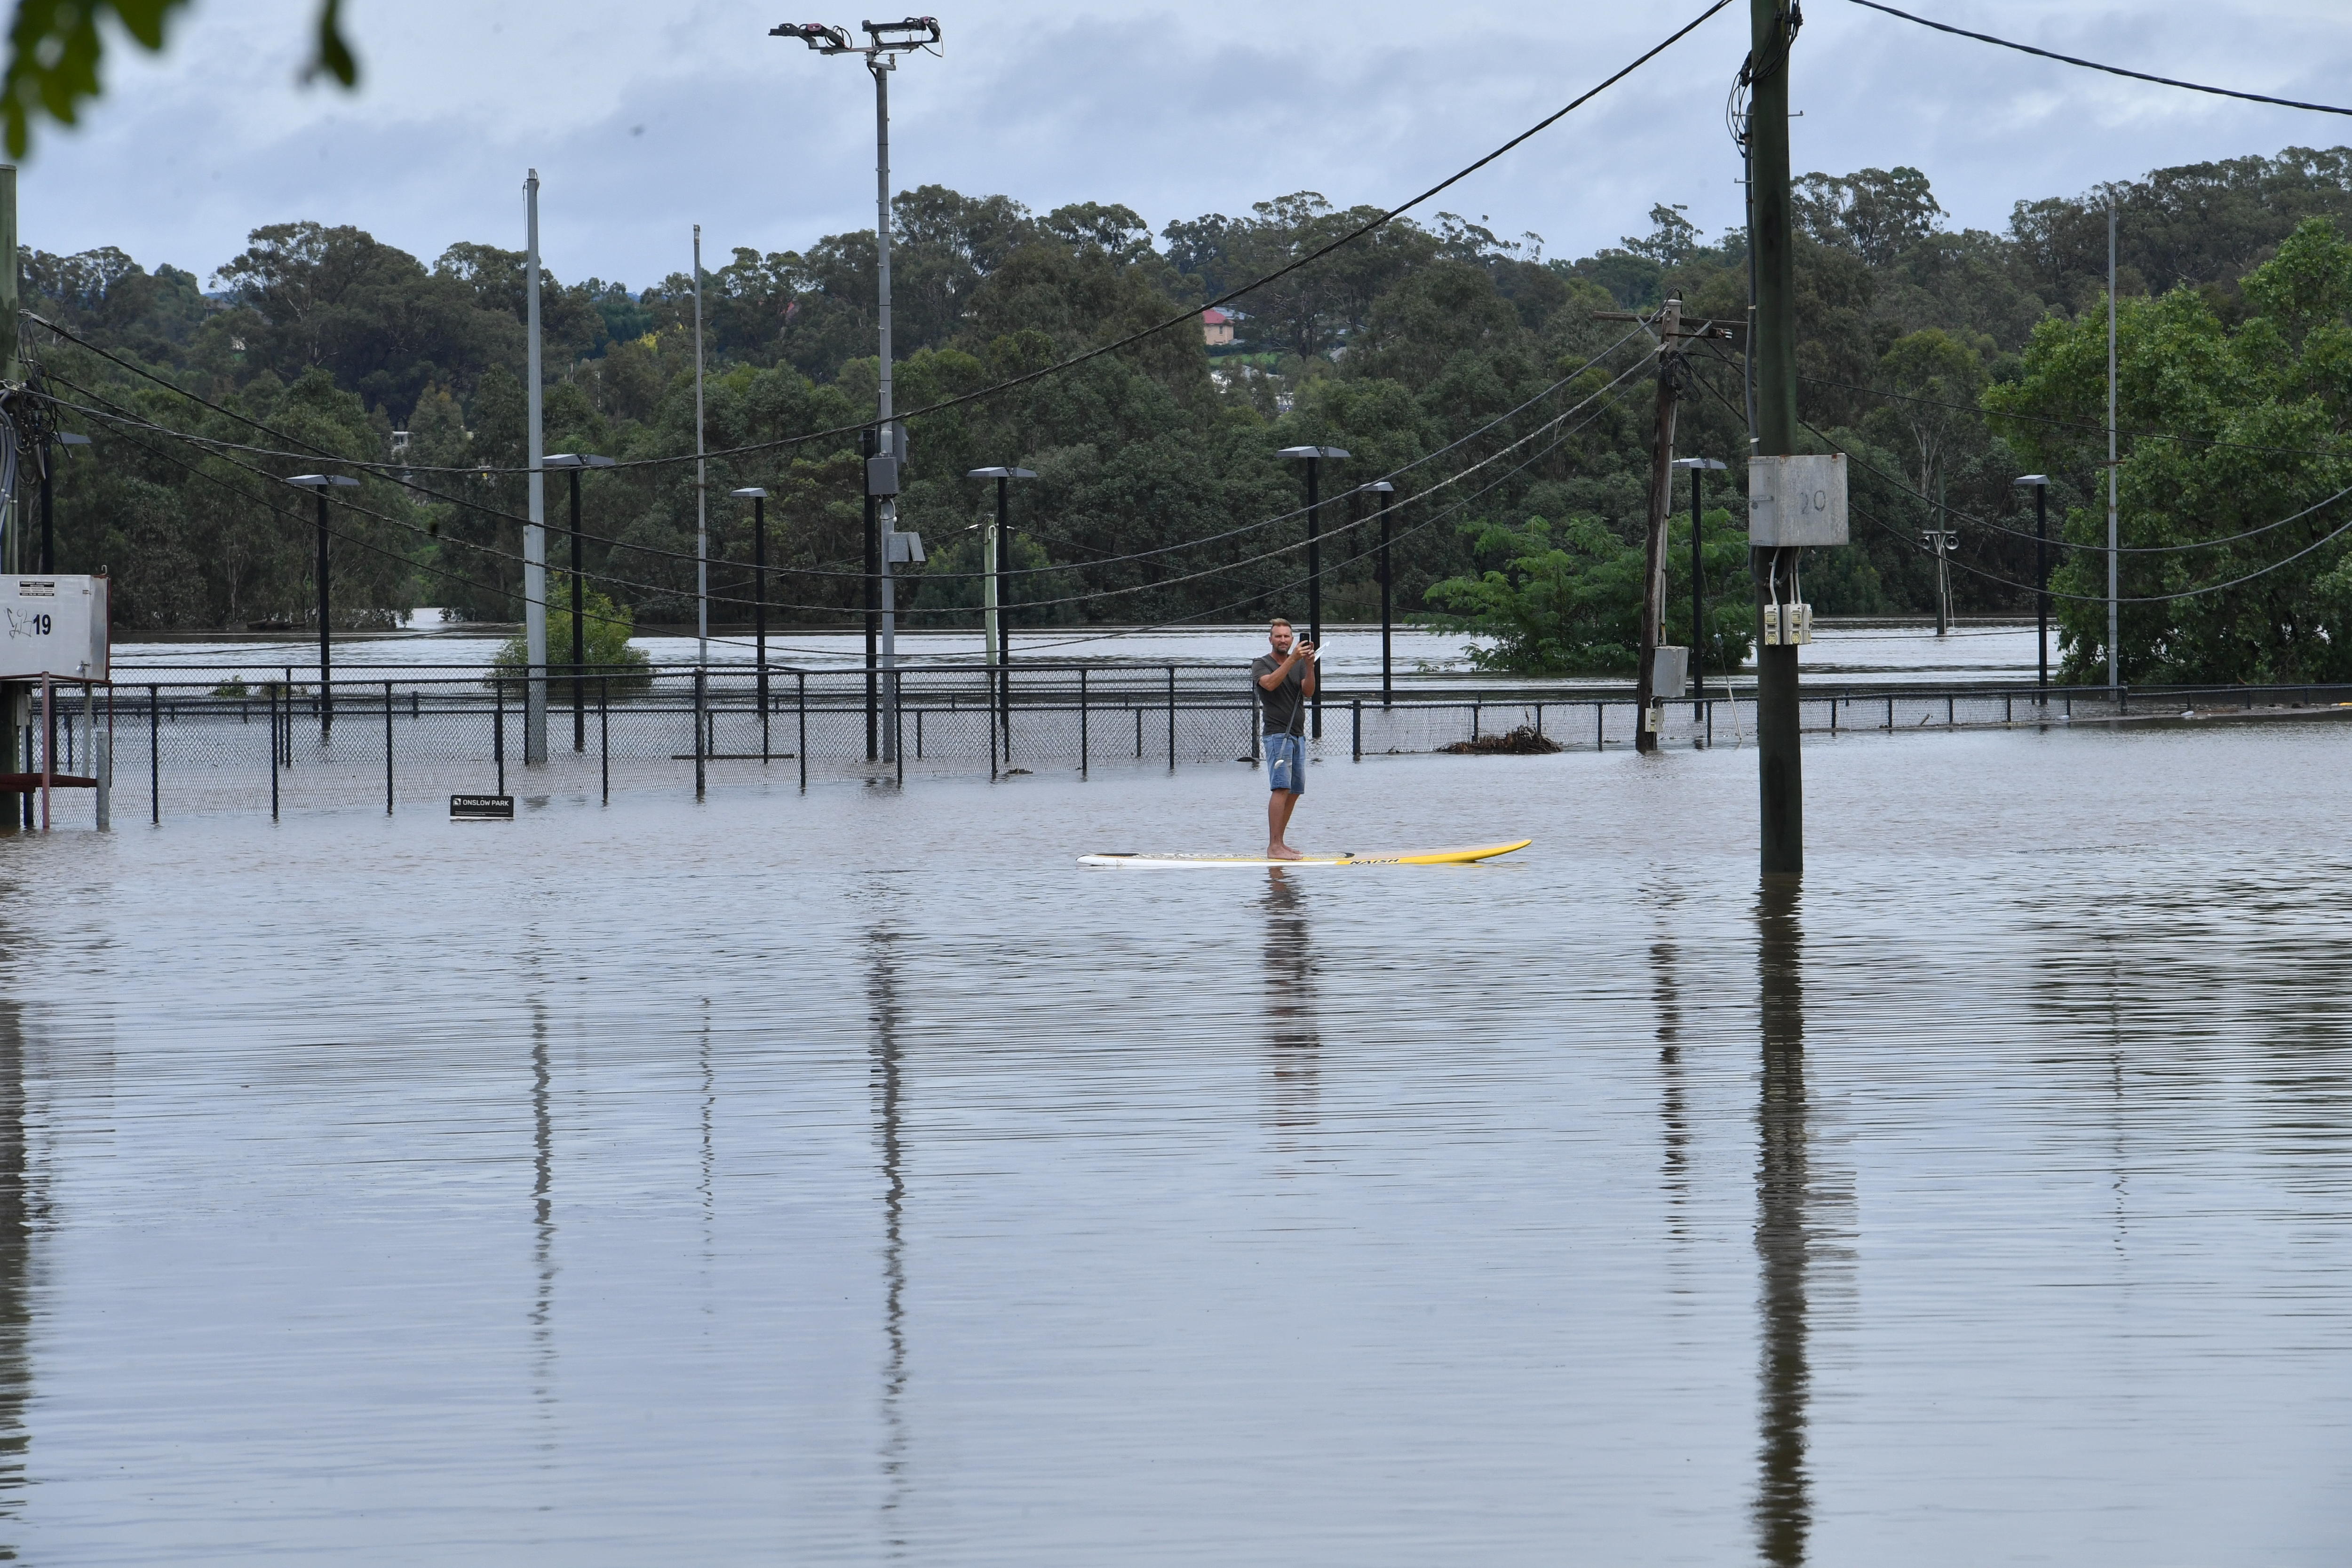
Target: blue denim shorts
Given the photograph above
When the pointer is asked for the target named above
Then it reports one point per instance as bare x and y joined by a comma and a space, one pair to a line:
1285, 763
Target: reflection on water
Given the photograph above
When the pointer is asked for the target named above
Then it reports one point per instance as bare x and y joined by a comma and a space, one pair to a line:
16, 1275
542, 1199
1783, 1506
882, 1000
1674, 1110
1294, 1048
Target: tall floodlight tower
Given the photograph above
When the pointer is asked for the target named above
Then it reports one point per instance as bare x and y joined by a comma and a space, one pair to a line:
885, 42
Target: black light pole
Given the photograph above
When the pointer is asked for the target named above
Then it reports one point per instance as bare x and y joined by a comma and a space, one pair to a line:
318, 485
2040, 484
1313, 457
1697, 466
1002, 652
573, 462
759, 500
1387, 493
49, 505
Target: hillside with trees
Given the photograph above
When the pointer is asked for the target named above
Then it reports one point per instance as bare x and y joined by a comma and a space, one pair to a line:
1940, 357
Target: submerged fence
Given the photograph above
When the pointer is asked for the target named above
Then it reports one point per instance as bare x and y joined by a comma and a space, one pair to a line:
417, 736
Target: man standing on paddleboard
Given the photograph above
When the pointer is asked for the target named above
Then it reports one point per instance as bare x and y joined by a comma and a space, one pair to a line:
1285, 679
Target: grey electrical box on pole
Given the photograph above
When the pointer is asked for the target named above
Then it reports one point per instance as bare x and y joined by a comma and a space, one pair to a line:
1796, 502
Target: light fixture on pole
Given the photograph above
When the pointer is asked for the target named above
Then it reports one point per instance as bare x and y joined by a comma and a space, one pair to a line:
1387, 493
2040, 485
68, 440
1698, 466
574, 462
996, 618
885, 42
1314, 457
318, 485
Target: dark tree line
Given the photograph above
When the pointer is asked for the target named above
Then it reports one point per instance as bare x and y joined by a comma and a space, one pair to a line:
1392, 347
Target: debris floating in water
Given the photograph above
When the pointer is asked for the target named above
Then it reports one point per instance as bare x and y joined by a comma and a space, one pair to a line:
1523, 742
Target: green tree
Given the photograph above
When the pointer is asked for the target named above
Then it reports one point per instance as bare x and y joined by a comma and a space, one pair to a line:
54, 47
2278, 390
1567, 600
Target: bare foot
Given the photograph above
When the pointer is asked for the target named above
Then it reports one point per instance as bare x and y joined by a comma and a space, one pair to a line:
1283, 852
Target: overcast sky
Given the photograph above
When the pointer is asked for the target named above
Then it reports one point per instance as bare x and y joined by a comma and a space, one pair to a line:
644, 120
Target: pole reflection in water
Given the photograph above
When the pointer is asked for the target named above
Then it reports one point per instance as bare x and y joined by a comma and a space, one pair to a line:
15, 1273
1673, 1102
1294, 1047
1783, 1508
882, 998
542, 1193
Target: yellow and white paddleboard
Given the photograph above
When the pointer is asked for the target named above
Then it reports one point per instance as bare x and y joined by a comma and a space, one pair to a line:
1418, 857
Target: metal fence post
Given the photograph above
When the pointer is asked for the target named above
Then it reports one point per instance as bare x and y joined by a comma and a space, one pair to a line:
1356, 718
154, 752
498, 729
701, 695
1082, 721
1256, 723
273, 751
387, 748
604, 735
1171, 718
1600, 725
802, 703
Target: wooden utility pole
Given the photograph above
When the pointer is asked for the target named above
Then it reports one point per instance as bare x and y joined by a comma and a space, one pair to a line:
1780, 766
1653, 547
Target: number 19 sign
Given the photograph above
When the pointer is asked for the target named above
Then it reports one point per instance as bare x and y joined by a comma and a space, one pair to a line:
53, 626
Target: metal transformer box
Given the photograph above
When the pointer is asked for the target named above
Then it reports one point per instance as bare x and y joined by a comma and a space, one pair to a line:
1797, 500
53, 624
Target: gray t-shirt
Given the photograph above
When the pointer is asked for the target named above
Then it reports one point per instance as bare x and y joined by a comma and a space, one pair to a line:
1283, 703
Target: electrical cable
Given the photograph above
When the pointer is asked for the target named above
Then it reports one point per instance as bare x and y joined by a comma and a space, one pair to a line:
1296, 582
2068, 424
2090, 598
2061, 543
653, 589
1182, 318
658, 552
427, 568
2095, 65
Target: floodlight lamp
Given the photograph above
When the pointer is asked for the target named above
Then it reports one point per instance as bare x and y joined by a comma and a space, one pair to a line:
574, 460
1305, 452
2035, 481
67, 438
1697, 465
324, 481
1379, 486
824, 40
1002, 474
749, 492
914, 33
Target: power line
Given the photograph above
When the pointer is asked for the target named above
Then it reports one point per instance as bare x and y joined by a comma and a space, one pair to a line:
608, 577
2095, 65
2062, 543
1295, 583
658, 552
1189, 314
2067, 423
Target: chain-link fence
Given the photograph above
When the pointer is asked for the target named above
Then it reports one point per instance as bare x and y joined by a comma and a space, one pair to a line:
173, 747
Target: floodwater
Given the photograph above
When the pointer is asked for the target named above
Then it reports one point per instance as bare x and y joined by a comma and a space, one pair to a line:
849, 1178
1845, 654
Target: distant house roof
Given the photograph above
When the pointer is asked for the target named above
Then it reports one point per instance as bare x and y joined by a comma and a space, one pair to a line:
1215, 318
